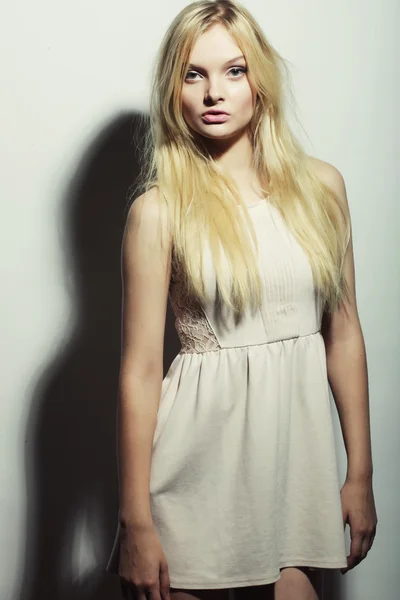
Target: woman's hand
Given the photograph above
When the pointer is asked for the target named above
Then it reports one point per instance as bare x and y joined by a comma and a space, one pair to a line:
143, 566
358, 508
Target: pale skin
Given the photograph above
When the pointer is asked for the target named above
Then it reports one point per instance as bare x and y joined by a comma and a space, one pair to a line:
214, 80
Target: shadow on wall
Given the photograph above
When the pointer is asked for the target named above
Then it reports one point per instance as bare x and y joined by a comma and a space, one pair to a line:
71, 439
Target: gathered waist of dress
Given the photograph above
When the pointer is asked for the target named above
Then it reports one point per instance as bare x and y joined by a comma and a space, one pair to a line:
211, 344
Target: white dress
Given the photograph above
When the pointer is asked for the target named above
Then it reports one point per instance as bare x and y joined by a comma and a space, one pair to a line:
244, 478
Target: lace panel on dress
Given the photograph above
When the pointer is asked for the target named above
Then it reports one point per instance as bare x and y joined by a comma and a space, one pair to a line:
191, 324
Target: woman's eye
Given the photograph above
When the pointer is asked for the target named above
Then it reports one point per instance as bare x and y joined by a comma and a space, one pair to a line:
240, 69
190, 73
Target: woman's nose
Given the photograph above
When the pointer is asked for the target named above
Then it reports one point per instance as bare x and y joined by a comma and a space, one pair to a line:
214, 91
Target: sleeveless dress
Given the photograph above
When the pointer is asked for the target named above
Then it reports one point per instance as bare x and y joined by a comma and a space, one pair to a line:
244, 478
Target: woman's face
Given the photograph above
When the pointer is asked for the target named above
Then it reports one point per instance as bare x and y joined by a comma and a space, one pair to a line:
216, 79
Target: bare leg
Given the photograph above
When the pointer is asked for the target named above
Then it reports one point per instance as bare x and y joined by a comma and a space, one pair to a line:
181, 594
299, 583
295, 583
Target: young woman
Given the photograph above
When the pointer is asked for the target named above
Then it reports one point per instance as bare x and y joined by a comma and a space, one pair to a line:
227, 466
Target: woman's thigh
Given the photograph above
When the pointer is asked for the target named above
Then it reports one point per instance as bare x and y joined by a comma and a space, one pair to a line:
183, 594
299, 583
295, 583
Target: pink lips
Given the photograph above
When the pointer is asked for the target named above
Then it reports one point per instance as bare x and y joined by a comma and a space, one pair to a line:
215, 118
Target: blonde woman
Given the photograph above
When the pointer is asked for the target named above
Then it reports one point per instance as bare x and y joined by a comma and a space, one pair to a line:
227, 466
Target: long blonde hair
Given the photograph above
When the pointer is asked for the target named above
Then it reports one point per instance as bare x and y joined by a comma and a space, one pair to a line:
203, 202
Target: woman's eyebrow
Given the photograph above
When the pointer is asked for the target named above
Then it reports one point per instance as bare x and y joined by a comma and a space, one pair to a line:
192, 66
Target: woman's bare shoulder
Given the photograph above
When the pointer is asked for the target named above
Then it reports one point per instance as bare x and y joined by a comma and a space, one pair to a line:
149, 207
148, 219
327, 172
150, 200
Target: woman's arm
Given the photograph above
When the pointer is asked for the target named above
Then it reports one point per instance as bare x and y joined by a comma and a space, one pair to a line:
348, 378
346, 359
145, 265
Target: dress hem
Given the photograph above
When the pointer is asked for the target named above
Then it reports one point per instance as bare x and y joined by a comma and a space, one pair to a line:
234, 583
